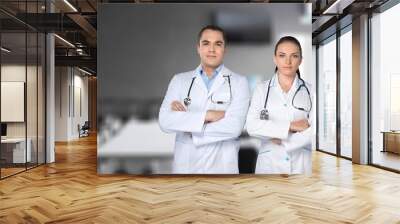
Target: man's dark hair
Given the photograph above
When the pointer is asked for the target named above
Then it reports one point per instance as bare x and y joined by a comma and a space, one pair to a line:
214, 28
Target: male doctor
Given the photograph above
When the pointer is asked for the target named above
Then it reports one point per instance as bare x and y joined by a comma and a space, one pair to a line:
206, 108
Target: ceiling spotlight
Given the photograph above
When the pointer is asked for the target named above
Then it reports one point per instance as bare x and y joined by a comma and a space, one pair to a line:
70, 5
84, 71
5, 50
64, 40
337, 7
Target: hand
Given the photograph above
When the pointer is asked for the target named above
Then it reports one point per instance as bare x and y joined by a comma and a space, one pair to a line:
299, 125
177, 106
214, 115
276, 141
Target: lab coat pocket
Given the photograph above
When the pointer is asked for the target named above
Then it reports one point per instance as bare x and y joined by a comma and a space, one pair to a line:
181, 163
221, 100
298, 115
184, 137
275, 161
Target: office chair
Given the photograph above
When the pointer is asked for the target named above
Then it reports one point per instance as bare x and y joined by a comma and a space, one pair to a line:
84, 130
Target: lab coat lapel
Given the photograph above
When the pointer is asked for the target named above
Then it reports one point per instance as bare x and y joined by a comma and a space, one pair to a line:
199, 81
219, 80
294, 87
292, 90
278, 89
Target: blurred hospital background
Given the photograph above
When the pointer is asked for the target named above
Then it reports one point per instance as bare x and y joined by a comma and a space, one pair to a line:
141, 47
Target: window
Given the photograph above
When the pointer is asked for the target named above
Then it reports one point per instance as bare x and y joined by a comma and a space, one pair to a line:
346, 93
327, 96
385, 89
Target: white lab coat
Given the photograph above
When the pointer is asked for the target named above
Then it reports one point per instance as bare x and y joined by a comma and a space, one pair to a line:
293, 156
212, 147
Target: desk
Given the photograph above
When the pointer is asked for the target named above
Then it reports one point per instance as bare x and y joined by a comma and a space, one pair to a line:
16, 147
130, 141
391, 141
129, 151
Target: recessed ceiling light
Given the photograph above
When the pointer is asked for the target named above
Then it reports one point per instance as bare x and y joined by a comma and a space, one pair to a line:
337, 7
70, 5
64, 40
84, 71
5, 50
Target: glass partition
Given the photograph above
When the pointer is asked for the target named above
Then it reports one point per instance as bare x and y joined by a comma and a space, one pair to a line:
31, 100
327, 96
22, 87
41, 109
14, 153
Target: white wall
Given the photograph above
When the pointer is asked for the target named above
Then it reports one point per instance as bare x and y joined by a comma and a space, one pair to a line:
12, 73
61, 103
70, 83
80, 89
33, 125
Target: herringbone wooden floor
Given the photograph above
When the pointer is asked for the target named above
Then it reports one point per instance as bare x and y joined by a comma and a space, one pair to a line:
70, 191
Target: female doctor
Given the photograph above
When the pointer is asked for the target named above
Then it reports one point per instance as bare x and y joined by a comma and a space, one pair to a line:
280, 113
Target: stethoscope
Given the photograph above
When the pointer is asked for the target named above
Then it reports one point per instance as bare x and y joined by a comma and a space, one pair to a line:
264, 114
188, 100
